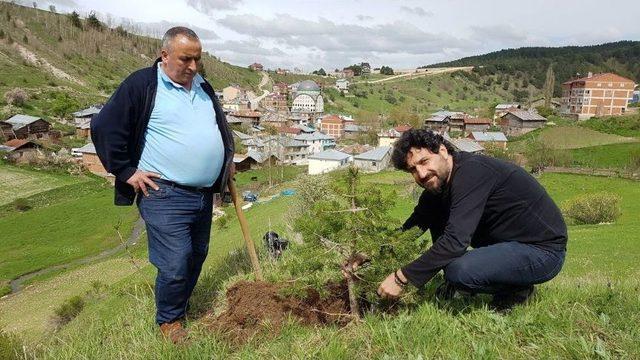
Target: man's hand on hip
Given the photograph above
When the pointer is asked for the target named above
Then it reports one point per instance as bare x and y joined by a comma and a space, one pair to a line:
141, 179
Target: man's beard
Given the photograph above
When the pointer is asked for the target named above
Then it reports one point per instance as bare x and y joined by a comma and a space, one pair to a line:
438, 188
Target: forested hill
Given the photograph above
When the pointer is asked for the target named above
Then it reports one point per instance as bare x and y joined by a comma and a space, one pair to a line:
621, 57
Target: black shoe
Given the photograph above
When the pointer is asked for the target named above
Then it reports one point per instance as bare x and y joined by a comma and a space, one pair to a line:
506, 301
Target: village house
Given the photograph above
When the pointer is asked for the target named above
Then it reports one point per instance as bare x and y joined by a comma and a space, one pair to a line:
520, 122
596, 95
6, 131
274, 119
477, 124
247, 116
280, 71
232, 92
293, 151
28, 127
373, 160
280, 88
342, 85
464, 144
389, 137
289, 131
317, 142
85, 115
91, 161
494, 138
351, 131
256, 67
237, 104
332, 125
457, 120
327, 161
298, 118
253, 160
22, 151
355, 149
275, 102
437, 123
502, 109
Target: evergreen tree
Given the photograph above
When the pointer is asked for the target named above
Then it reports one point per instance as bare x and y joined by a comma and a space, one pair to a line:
549, 86
75, 20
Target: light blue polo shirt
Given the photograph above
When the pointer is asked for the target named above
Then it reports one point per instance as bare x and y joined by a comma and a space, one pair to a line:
182, 142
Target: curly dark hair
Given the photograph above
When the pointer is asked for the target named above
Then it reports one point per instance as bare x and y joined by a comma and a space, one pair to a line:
417, 138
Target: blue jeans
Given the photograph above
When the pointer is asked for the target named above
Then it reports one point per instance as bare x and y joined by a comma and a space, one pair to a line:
178, 225
504, 268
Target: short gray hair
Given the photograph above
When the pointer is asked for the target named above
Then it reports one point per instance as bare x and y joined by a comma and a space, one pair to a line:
175, 31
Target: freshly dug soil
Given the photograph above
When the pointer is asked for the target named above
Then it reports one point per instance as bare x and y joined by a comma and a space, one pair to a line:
254, 306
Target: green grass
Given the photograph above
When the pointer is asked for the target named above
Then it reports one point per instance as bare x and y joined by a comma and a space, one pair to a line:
620, 125
278, 175
569, 137
613, 156
60, 233
21, 182
588, 311
422, 95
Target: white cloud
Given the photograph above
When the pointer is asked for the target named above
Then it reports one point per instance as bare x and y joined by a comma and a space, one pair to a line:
417, 10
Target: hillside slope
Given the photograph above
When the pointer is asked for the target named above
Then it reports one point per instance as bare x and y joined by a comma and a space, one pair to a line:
47, 56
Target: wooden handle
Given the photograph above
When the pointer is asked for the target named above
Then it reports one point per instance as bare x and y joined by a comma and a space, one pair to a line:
245, 230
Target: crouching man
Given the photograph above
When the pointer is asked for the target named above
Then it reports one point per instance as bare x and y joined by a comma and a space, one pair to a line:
515, 231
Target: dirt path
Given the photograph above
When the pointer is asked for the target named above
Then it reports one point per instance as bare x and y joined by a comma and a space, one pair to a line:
138, 228
264, 81
428, 72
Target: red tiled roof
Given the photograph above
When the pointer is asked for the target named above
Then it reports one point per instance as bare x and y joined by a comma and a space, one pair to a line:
332, 119
289, 130
246, 114
15, 143
604, 77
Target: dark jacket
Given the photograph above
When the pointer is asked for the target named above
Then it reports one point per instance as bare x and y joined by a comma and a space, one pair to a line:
118, 130
487, 201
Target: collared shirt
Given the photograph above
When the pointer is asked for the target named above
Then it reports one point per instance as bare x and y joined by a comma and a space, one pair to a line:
488, 201
182, 141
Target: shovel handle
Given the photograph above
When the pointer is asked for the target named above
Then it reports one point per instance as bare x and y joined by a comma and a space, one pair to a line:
244, 226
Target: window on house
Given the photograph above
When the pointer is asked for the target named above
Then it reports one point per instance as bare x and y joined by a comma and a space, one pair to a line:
373, 163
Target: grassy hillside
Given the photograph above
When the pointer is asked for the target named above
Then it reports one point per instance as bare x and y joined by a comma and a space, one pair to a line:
65, 66
531, 63
456, 91
588, 311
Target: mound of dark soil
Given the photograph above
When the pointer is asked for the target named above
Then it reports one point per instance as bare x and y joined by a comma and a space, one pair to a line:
254, 306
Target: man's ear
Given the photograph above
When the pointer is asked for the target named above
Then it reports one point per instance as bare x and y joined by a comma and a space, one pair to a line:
444, 151
164, 54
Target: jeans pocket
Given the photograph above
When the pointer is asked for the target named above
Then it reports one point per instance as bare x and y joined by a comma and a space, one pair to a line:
161, 193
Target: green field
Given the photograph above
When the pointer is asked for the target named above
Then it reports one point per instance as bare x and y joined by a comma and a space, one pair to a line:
570, 137
21, 183
588, 311
613, 156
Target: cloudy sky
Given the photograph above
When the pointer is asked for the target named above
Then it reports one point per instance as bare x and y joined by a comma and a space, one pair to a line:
402, 34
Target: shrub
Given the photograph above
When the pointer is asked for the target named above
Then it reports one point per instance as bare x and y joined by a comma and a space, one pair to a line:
21, 204
593, 208
16, 97
68, 311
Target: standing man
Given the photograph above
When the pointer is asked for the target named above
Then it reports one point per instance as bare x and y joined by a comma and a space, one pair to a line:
165, 138
516, 231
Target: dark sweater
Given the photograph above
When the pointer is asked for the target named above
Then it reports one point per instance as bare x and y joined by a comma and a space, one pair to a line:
486, 201
118, 130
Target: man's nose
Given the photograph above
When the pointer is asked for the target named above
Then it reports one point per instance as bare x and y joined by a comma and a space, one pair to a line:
422, 172
193, 66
